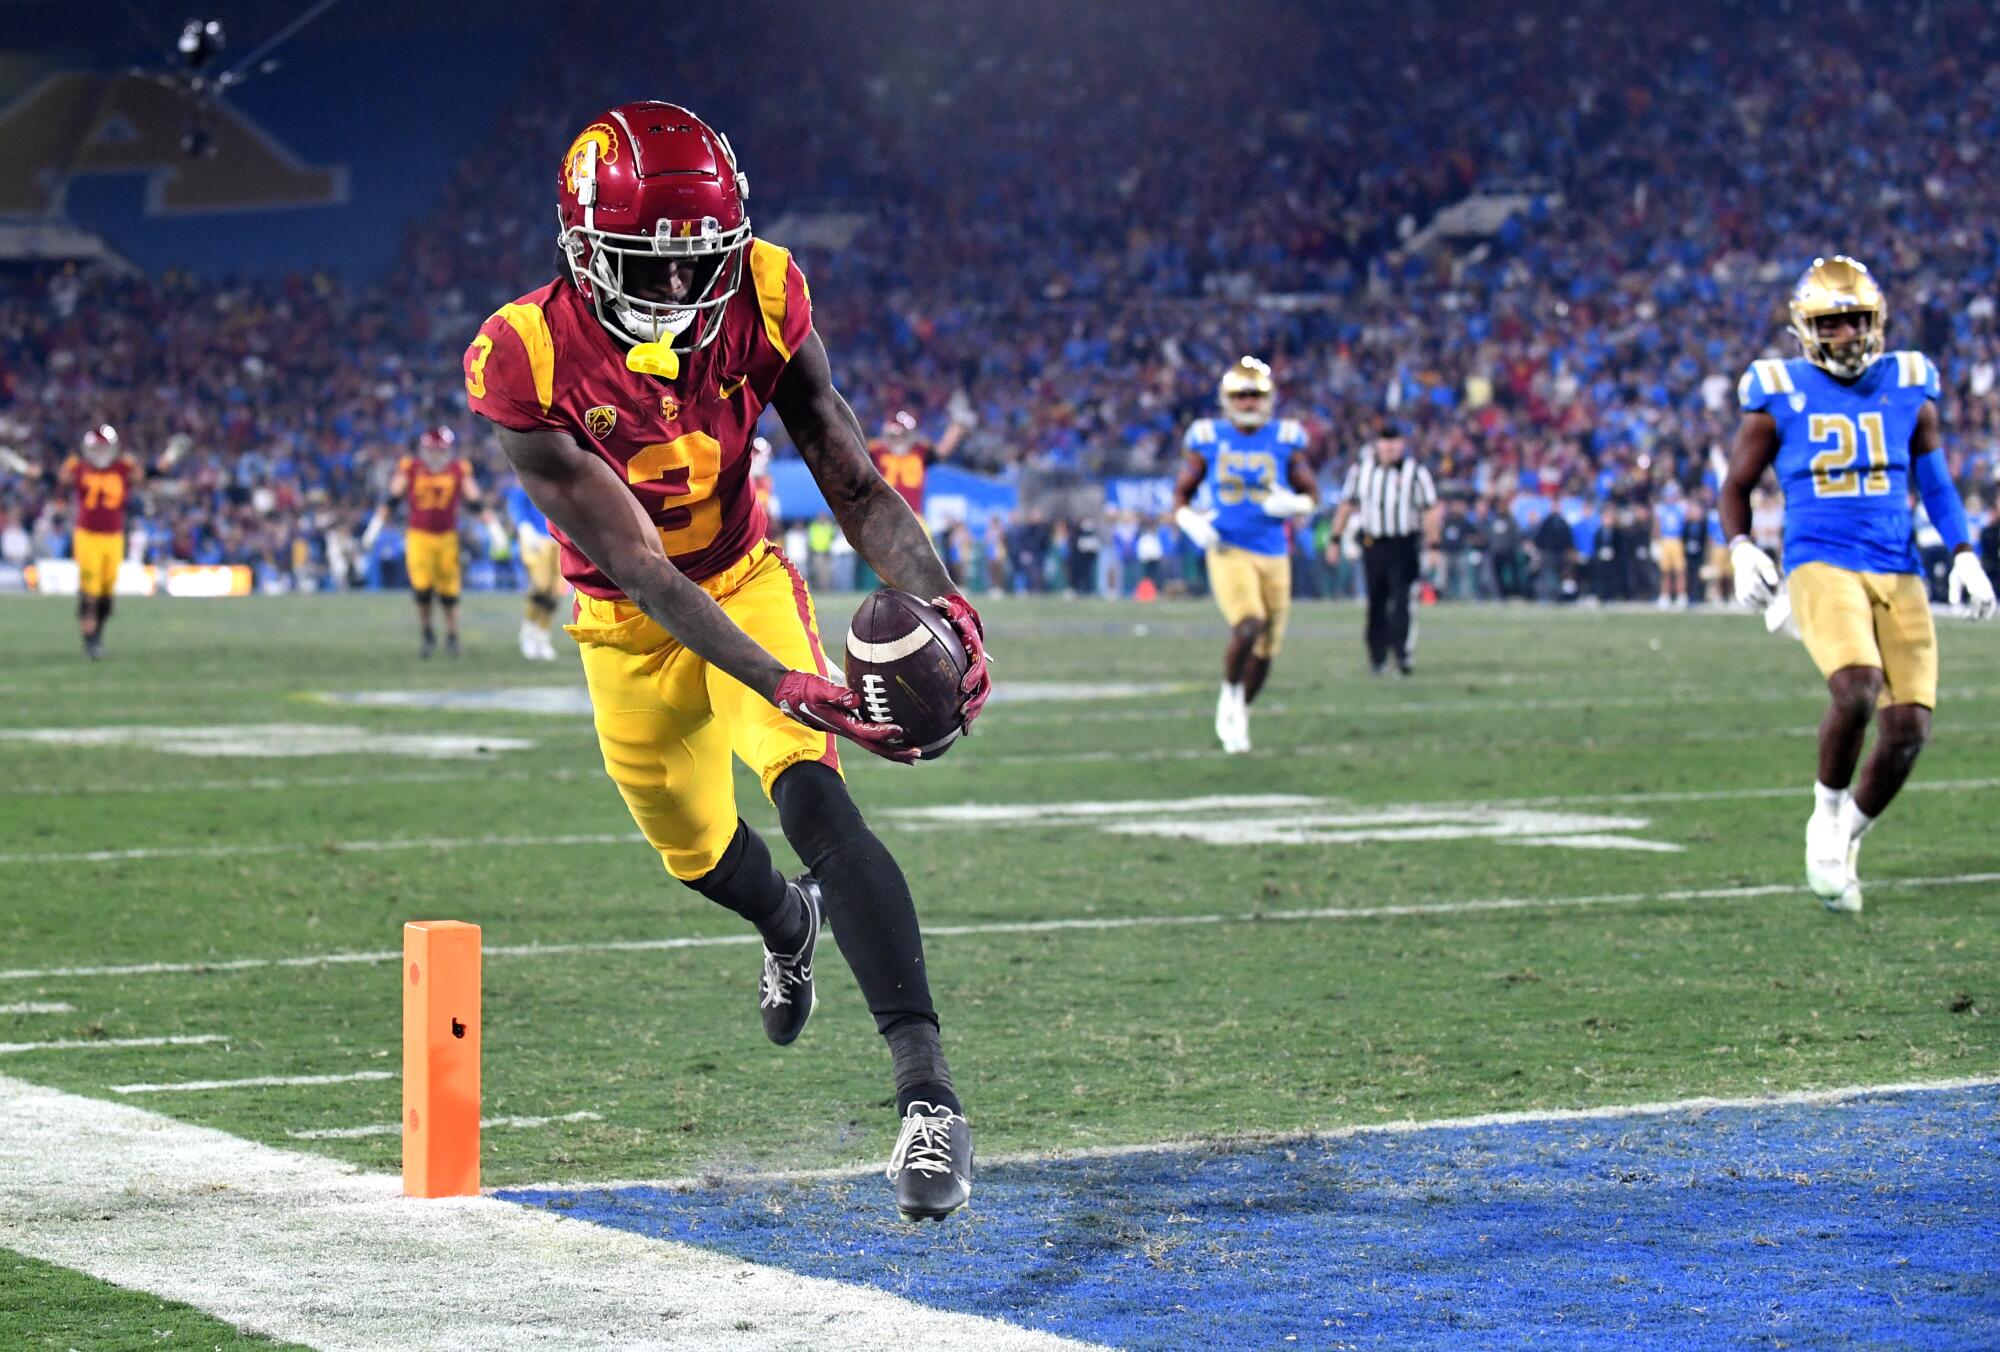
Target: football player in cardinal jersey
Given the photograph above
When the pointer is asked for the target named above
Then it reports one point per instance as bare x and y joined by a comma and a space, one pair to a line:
626, 393
1850, 430
103, 475
434, 481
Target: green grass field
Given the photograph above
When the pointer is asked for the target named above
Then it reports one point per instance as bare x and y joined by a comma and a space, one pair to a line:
1702, 969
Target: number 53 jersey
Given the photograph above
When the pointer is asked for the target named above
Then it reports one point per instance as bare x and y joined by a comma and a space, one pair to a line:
1245, 467
681, 445
1844, 457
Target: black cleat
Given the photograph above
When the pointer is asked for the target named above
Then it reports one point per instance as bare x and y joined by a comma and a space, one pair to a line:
932, 1163
785, 991
428, 646
93, 648
1406, 668
451, 645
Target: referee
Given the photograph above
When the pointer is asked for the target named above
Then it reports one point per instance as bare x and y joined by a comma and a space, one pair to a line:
1397, 504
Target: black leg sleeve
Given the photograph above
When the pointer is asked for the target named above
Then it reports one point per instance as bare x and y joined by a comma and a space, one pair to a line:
866, 900
746, 882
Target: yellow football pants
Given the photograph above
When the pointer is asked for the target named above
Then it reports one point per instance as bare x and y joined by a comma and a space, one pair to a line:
1251, 586
543, 563
98, 554
1880, 620
432, 558
667, 721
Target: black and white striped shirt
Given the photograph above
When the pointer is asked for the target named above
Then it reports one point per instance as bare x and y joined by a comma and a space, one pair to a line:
1390, 498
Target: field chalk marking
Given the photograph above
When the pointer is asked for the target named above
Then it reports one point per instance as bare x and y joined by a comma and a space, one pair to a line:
1111, 922
279, 1242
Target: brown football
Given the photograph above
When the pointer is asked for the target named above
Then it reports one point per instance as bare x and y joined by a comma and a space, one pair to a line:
906, 660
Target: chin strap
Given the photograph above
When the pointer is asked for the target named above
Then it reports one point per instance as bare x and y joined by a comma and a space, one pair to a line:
654, 359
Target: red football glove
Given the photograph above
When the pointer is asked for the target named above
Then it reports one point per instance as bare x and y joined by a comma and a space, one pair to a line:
978, 684
819, 703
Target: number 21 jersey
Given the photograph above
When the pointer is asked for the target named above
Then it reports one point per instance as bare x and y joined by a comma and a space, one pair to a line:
1844, 457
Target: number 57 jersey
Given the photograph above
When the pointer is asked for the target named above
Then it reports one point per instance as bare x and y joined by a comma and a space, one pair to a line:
681, 445
1844, 457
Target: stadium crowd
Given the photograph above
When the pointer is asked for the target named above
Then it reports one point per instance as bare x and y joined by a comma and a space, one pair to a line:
1063, 231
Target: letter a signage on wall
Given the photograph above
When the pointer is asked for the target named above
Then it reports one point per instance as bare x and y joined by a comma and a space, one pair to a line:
79, 122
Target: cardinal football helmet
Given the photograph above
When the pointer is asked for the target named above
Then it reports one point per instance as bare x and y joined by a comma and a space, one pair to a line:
434, 447
1247, 394
100, 445
647, 188
1839, 286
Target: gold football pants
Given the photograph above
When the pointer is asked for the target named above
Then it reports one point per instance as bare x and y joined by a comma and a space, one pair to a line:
668, 722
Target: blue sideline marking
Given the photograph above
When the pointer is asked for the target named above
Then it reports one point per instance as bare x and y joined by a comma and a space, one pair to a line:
1871, 1223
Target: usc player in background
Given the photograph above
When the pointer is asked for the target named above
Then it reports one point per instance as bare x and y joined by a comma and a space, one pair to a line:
103, 476
626, 393
433, 481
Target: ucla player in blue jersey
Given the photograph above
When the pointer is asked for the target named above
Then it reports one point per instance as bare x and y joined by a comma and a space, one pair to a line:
1258, 477
1850, 428
1670, 520
541, 561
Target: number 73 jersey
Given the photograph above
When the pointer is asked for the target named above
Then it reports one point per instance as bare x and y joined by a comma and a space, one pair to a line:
1844, 457
681, 445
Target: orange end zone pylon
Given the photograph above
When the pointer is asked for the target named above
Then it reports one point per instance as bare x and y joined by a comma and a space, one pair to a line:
440, 1059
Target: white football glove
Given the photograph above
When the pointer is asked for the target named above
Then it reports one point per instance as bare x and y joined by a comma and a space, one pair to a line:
1969, 585
1778, 617
1198, 527
1284, 502
373, 530
1756, 575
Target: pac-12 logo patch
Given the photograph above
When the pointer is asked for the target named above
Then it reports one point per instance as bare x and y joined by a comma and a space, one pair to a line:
670, 407
600, 420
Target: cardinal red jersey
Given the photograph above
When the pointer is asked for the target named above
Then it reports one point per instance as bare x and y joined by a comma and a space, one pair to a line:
433, 493
904, 470
101, 493
682, 445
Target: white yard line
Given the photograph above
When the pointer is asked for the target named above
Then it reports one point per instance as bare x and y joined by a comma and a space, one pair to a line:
279, 784
38, 1007
393, 1128
1109, 922
1240, 1140
317, 847
305, 1249
254, 1082
972, 813
102, 1043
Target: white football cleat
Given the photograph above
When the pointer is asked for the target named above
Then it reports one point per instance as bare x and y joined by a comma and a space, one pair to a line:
1826, 857
528, 633
1849, 900
1225, 720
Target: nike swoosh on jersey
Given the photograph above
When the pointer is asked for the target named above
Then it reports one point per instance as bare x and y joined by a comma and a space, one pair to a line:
728, 390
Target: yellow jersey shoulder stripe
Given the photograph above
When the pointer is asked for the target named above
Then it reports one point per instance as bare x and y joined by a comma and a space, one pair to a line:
769, 265
531, 326
1773, 376
1910, 369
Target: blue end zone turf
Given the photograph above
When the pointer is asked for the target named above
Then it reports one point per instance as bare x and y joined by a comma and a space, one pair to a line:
1871, 1223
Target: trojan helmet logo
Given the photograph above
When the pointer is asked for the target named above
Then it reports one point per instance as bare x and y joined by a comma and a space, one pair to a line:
600, 420
604, 136
670, 407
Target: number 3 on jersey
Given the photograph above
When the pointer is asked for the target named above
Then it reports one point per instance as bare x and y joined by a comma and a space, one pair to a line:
686, 469
1833, 470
